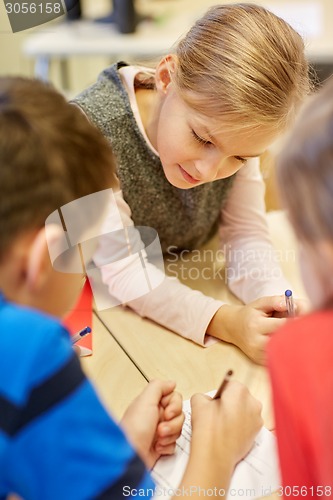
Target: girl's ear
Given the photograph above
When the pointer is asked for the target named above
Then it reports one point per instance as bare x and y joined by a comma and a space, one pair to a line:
39, 267
164, 70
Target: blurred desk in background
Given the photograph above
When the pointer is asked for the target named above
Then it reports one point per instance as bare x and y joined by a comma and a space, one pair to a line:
169, 20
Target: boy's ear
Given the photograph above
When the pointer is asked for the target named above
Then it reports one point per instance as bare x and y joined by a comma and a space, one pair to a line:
164, 70
39, 266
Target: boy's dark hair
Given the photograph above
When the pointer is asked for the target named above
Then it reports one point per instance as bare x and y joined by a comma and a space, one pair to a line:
49, 155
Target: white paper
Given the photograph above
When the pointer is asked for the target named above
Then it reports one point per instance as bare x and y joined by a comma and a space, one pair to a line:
255, 476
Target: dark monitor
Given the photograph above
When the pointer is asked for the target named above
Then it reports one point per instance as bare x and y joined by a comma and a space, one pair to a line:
123, 15
73, 8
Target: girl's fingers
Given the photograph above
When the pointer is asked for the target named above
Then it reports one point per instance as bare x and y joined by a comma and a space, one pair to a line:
270, 325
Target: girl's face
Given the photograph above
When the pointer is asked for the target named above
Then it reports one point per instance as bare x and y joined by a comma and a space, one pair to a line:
191, 154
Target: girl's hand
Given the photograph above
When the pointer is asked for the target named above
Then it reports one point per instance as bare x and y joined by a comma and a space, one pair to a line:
153, 422
249, 326
302, 306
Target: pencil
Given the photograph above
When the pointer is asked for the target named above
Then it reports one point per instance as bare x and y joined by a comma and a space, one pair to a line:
223, 384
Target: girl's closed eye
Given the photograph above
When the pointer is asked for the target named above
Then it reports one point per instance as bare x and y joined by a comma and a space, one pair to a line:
242, 160
200, 140
205, 142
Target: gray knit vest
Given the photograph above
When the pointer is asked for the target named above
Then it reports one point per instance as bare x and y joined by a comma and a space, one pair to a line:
183, 218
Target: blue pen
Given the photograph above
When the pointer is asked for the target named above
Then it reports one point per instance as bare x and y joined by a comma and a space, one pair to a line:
79, 335
290, 303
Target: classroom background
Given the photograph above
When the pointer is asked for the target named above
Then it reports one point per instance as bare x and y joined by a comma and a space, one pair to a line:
70, 55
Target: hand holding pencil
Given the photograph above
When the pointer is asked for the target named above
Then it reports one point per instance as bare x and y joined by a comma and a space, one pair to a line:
228, 422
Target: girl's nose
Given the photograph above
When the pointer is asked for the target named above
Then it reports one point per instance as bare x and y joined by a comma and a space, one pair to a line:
208, 168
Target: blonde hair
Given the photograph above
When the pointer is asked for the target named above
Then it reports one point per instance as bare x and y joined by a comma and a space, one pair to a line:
242, 64
305, 169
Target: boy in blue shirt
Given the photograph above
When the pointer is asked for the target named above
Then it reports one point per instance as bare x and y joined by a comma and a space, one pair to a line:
56, 439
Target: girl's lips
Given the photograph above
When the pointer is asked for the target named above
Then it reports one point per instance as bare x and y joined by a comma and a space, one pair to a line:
187, 176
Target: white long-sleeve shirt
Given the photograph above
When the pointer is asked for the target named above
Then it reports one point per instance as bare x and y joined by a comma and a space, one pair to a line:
251, 264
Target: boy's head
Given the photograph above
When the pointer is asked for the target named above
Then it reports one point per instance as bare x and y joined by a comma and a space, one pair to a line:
50, 155
305, 176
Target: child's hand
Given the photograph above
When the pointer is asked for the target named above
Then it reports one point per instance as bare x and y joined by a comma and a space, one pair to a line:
301, 306
225, 427
154, 421
249, 326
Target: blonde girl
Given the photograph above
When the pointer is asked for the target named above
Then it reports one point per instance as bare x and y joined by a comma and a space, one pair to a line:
187, 137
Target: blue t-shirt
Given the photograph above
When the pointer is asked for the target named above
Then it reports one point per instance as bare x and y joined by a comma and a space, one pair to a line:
57, 442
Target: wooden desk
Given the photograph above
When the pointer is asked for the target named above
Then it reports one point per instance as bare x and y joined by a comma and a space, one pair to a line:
159, 353
172, 19
112, 372
129, 350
